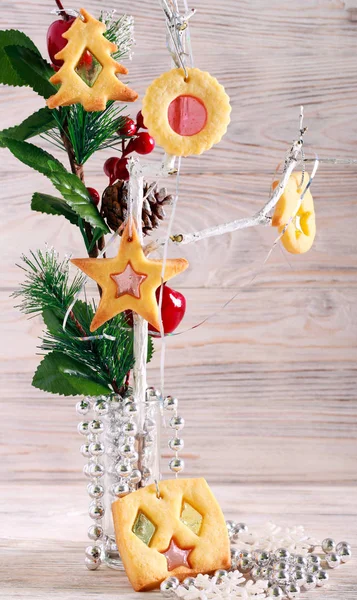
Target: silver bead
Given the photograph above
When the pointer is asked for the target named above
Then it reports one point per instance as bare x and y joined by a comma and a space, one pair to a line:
96, 426
115, 403
282, 577
292, 590
95, 490
169, 585
275, 592
96, 449
220, 573
131, 409
96, 511
95, 532
130, 428
82, 407
127, 450
310, 582
177, 423
93, 552
101, 408
149, 425
120, 490
82, 428
229, 523
244, 565
261, 557
145, 473
176, 444
345, 553
189, 581
328, 545
123, 470
246, 554
170, 403
313, 569
333, 560
135, 476
92, 565
341, 546
84, 450
321, 577
134, 457
300, 561
299, 576
176, 465
235, 557
256, 573
313, 559
282, 554
96, 470
281, 565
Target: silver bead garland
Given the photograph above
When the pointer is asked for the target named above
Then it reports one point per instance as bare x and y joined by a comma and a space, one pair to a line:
176, 444
121, 455
286, 573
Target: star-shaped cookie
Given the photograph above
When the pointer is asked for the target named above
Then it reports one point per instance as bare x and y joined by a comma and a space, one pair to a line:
129, 280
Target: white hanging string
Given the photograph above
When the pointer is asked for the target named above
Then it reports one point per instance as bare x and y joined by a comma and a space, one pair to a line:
178, 31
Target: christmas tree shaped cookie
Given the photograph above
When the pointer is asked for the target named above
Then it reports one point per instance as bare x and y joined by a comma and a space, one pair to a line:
85, 37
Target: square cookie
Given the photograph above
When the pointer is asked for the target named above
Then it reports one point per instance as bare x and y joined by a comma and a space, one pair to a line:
180, 534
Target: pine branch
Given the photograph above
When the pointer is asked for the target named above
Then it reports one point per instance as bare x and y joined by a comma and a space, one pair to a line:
87, 132
48, 291
46, 284
120, 31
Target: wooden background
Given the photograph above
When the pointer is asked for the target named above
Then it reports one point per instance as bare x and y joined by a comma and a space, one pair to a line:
267, 386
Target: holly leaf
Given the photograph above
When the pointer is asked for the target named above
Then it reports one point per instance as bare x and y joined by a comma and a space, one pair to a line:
52, 321
51, 205
78, 198
33, 70
61, 374
35, 157
40, 122
12, 37
72, 189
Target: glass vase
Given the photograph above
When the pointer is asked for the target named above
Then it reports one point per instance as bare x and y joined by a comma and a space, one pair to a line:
122, 448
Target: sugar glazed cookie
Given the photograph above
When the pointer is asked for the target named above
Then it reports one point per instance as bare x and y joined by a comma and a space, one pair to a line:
86, 36
186, 116
180, 534
301, 225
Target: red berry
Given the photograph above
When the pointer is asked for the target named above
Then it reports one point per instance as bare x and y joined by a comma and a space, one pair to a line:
94, 195
140, 120
143, 143
121, 172
128, 129
55, 41
172, 310
109, 168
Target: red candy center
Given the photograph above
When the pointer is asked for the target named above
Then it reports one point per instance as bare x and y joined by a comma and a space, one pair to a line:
187, 115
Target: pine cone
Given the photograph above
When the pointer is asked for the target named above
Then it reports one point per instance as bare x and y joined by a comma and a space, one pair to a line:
115, 206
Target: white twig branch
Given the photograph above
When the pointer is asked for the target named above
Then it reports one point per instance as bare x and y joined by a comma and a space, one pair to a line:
260, 218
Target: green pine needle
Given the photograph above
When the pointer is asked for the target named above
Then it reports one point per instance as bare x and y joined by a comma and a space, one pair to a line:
88, 132
48, 291
46, 284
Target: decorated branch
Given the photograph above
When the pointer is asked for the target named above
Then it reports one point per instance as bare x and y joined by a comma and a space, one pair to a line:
169, 534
